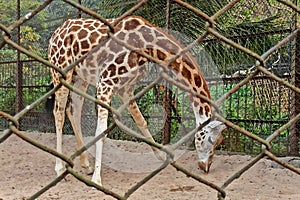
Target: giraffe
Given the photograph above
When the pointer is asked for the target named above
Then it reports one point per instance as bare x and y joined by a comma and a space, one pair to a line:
114, 69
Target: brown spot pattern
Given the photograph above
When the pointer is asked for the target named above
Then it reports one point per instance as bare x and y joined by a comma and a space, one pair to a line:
59, 43
161, 55
84, 72
69, 52
158, 34
82, 34
101, 57
198, 80
112, 68
104, 74
108, 82
205, 87
131, 24
132, 58
204, 94
122, 70
61, 60
75, 48
207, 110
63, 34
75, 28
115, 80
142, 61
187, 74
93, 37
84, 52
135, 40
120, 58
168, 46
77, 22
103, 99
121, 35
196, 104
62, 51
115, 47
110, 58
146, 33
201, 111
85, 44
64, 26
176, 66
68, 41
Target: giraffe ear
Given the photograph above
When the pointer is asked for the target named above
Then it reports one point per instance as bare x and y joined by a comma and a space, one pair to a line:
214, 124
210, 140
219, 140
216, 127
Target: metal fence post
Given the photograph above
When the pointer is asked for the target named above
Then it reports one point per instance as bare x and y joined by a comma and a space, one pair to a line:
294, 137
167, 94
19, 85
79, 11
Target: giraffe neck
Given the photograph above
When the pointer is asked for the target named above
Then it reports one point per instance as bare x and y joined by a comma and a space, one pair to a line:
163, 46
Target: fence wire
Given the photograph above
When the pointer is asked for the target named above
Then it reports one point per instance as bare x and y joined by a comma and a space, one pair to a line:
211, 31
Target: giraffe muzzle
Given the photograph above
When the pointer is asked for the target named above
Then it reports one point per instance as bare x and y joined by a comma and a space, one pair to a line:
204, 166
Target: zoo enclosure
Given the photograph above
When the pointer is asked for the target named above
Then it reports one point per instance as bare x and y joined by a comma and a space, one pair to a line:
257, 104
23, 81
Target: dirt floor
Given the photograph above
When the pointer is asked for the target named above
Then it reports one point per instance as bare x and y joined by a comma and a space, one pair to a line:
26, 169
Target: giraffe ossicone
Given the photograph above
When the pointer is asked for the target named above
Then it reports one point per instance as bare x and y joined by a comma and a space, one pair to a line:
114, 69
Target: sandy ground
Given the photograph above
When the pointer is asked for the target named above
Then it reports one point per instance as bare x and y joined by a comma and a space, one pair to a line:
26, 169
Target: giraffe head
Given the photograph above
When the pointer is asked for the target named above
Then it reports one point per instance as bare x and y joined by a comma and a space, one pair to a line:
206, 141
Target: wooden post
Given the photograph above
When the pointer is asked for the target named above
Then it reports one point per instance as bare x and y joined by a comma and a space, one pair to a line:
19, 85
79, 11
294, 137
167, 94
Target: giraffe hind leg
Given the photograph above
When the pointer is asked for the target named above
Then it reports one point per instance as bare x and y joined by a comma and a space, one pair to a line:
61, 96
74, 112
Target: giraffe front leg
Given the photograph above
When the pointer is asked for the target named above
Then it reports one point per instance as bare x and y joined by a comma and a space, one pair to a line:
74, 113
141, 122
101, 127
59, 167
142, 125
104, 93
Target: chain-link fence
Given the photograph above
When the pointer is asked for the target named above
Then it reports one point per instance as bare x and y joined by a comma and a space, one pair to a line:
248, 51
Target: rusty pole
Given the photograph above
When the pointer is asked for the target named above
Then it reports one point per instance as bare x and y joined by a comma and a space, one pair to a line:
19, 85
79, 11
167, 94
294, 137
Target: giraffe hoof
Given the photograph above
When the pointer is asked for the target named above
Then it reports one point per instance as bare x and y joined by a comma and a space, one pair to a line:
60, 171
97, 180
89, 170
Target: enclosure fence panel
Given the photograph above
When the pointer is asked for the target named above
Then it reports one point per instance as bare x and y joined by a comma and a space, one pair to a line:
249, 53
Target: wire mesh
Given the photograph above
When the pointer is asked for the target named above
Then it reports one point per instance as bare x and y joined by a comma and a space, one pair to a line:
260, 74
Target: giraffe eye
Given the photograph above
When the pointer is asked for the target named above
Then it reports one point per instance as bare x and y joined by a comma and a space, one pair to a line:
210, 140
